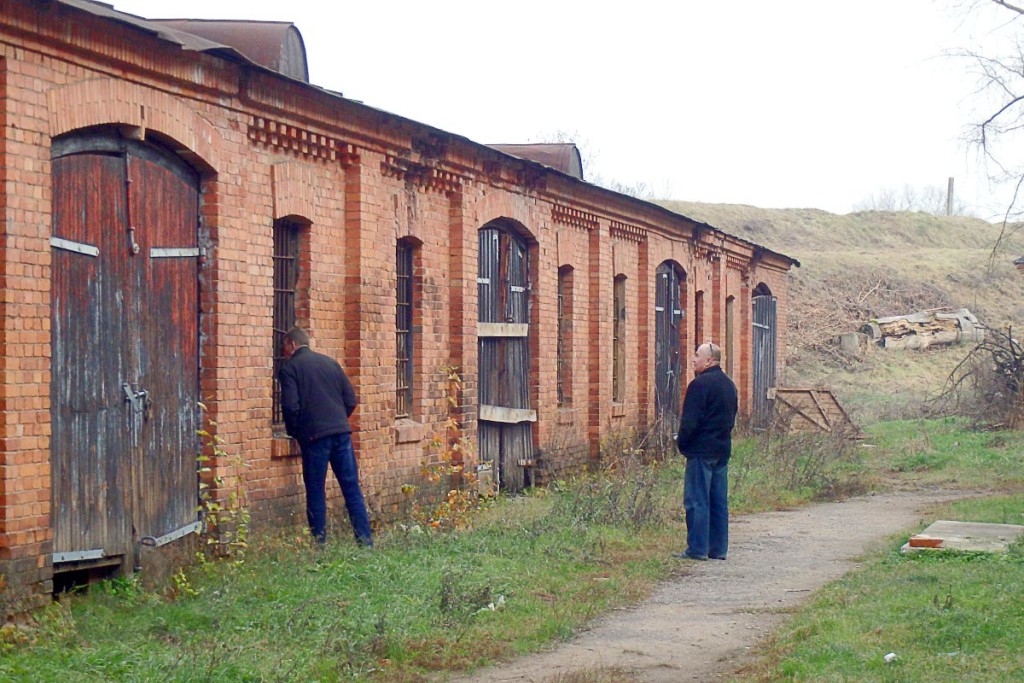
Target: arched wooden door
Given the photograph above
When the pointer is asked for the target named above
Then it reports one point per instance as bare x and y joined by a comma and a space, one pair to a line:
505, 417
125, 367
669, 326
765, 322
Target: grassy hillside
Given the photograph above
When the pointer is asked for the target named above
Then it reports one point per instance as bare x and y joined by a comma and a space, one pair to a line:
876, 263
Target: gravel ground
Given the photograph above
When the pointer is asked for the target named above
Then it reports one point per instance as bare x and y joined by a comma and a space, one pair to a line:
702, 625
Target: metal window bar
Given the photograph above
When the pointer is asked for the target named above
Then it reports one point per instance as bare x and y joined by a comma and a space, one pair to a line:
698, 321
730, 331
286, 278
563, 360
403, 332
619, 340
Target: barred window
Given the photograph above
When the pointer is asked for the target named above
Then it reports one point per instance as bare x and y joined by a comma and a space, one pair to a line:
730, 330
698, 319
286, 278
619, 339
564, 351
404, 330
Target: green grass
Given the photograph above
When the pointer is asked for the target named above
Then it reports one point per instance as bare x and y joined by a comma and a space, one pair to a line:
947, 616
532, 571
947, 452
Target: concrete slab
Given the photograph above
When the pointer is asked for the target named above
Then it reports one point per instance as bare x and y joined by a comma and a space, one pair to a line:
973, 536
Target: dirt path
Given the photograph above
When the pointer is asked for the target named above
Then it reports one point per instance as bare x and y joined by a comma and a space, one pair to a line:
699, 626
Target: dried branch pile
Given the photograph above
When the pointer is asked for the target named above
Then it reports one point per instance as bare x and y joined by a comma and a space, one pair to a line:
988, 385
824, 306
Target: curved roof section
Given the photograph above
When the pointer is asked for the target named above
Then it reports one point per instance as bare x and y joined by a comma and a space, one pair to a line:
561, 156
273, 45
276, 45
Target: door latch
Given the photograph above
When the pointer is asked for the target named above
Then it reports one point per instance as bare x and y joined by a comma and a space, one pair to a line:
138, 399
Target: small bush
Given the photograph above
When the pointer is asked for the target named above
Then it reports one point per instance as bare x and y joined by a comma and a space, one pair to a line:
779, 467
625, 491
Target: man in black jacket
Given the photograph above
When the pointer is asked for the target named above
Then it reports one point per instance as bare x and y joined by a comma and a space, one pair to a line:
317, 400
705, 438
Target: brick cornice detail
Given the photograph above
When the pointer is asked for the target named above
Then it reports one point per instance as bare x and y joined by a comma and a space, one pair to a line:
736, 261
302, 142
574, 217
426, 177
629, 232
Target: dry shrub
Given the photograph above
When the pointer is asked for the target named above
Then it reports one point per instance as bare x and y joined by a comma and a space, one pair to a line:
623, 489
776, 465
988, 385
832, 303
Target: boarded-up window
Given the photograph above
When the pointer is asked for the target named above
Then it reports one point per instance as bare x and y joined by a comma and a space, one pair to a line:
619, 339
286, 278
730, 332
404, 330
669, 339
564, 350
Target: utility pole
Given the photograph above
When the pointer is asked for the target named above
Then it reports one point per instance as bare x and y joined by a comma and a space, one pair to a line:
949, 198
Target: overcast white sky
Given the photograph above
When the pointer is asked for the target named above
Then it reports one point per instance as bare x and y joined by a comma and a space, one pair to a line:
788, 104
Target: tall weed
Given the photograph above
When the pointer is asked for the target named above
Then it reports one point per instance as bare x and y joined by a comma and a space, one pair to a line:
771, 468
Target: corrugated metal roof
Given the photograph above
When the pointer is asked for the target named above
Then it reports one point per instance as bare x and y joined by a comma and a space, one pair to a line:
561, 156
185, 40
259, 43
276, 45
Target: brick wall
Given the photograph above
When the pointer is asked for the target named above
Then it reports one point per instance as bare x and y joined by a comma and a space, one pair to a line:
361, 180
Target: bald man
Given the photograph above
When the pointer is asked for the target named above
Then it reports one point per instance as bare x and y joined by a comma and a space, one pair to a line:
705, 438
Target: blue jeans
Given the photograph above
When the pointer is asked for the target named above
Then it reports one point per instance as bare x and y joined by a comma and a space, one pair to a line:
705, 499
336, 451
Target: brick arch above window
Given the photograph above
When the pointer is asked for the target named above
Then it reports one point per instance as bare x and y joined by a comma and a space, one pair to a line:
512, 227
293, 190
106, 101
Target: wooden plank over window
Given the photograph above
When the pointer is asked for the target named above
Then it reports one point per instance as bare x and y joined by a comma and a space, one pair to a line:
507, 415
503, 329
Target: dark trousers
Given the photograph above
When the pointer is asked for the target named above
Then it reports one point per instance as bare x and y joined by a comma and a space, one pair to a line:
705, 499
337, 452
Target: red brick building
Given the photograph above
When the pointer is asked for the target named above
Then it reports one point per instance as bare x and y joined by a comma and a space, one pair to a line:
171, 204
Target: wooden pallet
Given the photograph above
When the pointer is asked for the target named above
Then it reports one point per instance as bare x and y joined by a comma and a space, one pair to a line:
810, 409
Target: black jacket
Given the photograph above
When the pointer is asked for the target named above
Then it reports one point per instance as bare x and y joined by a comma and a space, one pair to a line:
316, 396
709, 414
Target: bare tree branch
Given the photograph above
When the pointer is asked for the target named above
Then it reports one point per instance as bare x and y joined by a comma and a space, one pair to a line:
1011, 7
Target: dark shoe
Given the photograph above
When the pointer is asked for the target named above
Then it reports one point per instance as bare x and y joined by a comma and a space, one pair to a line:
717, 557
687, 556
